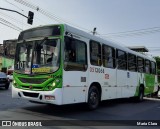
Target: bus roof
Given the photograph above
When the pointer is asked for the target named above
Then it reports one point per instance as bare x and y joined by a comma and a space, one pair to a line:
79, 32
105, 41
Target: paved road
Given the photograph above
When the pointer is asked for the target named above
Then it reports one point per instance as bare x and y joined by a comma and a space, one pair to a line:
18, 109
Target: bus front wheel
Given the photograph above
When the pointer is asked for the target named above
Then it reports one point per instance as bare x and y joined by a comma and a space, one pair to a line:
93, 98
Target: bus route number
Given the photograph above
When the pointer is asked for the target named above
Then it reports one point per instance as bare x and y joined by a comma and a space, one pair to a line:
20, 64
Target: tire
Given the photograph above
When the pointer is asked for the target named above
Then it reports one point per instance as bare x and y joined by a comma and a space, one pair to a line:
6, 86
93, 98
141, 94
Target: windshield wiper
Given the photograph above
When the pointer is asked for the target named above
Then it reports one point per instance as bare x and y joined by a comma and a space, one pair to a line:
45, 38
35, 46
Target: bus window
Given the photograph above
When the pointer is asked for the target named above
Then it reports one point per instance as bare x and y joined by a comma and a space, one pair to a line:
132, 63
75, 55
95, 53
140, 64
147, 66
108, 56
121, 60
153, 67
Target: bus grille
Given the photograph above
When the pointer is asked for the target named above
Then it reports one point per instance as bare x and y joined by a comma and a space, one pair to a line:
32, 80
33, 87
34, 95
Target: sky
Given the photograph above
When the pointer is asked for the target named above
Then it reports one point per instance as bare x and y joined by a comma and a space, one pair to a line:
127, 22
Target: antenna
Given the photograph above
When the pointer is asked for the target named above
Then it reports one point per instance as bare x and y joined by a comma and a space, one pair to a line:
94, 31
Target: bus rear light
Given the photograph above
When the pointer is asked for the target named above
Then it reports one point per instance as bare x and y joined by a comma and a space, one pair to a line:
49, 97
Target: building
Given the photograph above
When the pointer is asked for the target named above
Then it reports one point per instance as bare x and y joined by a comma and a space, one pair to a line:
1, 54
8, 54
141, 49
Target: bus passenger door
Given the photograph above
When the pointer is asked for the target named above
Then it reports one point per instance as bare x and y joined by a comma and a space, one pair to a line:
109, 90
75, 73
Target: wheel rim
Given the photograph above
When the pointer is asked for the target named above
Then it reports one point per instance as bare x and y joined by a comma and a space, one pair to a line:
93, 99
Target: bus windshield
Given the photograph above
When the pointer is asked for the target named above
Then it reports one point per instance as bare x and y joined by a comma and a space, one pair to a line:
37, 57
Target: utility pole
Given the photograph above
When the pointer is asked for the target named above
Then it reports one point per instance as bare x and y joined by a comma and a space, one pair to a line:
30, 14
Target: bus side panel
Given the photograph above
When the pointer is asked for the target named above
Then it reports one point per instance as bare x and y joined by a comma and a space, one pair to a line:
121, 83
140, 81
151, 83
132, 81
109, 89
74, 86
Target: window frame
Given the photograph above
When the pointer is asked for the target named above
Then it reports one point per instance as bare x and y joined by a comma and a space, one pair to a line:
149, 69
113, 56
135, 63
138, 65
155, 72
71, 63
99, 63
117, 59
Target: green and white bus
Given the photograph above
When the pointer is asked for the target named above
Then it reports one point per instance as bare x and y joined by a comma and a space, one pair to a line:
59, 64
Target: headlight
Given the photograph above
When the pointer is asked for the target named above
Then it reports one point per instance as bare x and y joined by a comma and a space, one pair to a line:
54, 84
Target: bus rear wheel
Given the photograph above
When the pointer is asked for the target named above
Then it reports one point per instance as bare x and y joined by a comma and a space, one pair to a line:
93, 98
141, 94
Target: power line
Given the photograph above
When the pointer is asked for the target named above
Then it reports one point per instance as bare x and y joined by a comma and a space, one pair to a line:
48, 14
7, 22
13, 19
22, 10
13, 5
134, 32
10, 24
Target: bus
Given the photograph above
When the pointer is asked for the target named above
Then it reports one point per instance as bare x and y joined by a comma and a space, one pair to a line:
59, 64
8, 53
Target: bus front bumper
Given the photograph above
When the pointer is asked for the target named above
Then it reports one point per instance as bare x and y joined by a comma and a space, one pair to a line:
51, 97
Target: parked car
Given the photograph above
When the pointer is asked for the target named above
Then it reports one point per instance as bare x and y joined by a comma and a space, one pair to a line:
4, 81
10, 77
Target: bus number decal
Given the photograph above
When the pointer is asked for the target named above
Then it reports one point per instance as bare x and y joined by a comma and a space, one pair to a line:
20, 64
96, 70
91, 69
